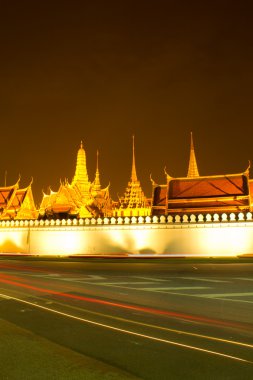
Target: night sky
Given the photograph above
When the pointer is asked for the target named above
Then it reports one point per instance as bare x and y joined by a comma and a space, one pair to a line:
101, 71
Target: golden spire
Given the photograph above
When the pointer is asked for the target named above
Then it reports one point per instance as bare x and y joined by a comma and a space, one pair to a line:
192, 168
81, 176
97, 185
133, 175
134, 197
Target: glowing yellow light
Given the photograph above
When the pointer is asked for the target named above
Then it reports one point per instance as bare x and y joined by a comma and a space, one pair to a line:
58, 242
12, 241
226, 240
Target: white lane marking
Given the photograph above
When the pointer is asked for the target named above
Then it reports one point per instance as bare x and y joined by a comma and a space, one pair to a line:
79, 279
125, 283
165, 289
204, 296
129, 332
225, 295
201, 279
155, 290
93, 277
151, 279
5, 297
53, 274
88, 277
181, 332
231, 299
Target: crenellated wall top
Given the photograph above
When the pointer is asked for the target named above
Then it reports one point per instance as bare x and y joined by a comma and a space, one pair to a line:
141, 220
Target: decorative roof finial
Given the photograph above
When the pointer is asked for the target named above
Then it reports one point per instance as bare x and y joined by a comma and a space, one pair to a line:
193, 167
133, 175
151, 179
97, 185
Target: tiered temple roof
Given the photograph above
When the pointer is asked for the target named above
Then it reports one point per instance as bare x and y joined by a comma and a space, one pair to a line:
202, 194
134, 202
16, 203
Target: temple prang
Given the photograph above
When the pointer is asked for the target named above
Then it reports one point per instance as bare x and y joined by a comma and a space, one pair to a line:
133, 202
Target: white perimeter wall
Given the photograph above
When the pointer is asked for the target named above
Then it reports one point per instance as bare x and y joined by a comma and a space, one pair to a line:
212, 239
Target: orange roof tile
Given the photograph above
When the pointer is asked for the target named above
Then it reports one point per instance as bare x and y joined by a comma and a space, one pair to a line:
222, 186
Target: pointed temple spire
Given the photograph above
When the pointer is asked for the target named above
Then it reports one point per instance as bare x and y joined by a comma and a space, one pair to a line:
81, 175
133, 175
193, 167
97, 185
133, 202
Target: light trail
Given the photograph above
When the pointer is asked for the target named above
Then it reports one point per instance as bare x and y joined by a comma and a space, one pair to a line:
180, 332
24, 268
144, 309
125, 320
129, 332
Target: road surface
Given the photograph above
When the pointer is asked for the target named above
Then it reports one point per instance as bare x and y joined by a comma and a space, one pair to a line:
126, 319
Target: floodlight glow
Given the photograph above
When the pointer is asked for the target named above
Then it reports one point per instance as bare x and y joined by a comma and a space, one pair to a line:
226, 240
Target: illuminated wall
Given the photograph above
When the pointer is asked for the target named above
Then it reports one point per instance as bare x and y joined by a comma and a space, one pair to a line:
211, 235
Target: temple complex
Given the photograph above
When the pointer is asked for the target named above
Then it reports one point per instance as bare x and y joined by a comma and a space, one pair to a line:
80, 198
16, 203
133, 202
202, 194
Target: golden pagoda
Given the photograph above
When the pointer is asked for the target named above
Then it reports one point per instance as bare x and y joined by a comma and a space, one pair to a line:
16, 203
80, 199
134, 202
81, 181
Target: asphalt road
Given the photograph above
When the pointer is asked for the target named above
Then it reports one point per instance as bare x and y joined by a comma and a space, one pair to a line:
126, 319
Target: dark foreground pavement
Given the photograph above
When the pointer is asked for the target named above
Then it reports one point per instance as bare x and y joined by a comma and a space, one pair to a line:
25, 355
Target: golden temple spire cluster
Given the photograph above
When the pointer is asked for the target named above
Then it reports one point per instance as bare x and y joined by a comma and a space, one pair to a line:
81, 198
85, 199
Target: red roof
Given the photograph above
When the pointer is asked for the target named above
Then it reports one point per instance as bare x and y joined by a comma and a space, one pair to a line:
205, 187
18, 199
159, 198
5, 195
228, 192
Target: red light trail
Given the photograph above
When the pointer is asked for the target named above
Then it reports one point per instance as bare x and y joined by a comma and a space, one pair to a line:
167, 313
